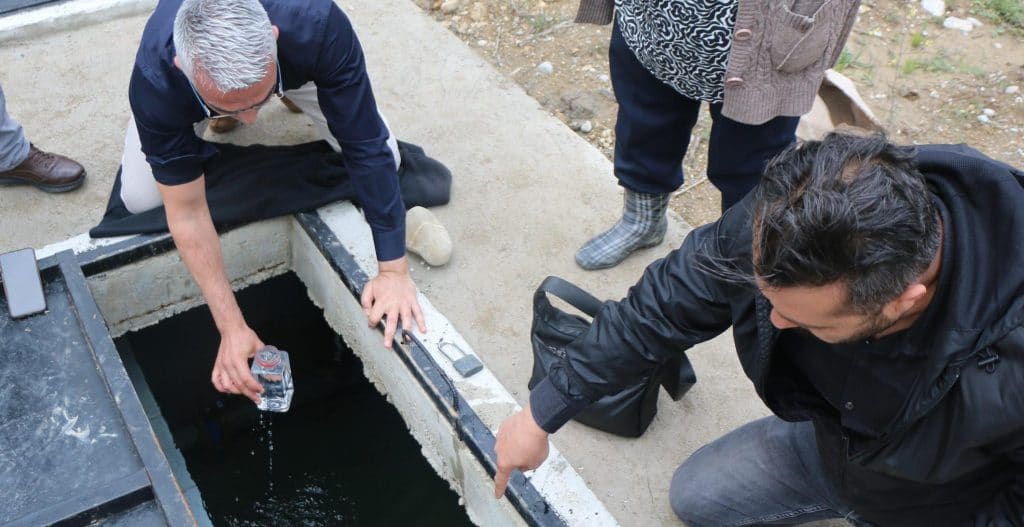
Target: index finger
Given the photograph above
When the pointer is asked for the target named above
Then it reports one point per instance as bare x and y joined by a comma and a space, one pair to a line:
501, 480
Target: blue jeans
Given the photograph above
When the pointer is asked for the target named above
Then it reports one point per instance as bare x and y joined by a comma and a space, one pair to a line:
653, 127
766, 472
13, 145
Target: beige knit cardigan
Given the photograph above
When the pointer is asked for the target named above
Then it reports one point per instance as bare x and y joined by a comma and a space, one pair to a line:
779, 54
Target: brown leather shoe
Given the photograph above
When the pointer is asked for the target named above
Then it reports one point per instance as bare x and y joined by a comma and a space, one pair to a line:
46, 171
224, 125
292, 107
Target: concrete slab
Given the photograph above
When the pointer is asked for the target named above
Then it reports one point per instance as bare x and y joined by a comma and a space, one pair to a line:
527, 192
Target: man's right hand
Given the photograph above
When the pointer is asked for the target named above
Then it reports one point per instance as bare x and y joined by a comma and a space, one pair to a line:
231, 372
520, 444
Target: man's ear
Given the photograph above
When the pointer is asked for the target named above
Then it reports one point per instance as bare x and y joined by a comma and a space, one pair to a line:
277, 32
899, 306
177, 63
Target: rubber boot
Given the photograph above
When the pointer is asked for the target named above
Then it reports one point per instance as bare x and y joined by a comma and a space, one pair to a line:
643, 224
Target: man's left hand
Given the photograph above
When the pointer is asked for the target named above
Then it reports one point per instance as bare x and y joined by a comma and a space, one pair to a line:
392, 295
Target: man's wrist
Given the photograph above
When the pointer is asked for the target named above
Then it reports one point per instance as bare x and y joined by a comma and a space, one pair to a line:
532, 426
398, 265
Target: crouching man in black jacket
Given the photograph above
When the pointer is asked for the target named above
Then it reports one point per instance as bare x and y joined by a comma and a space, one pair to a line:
876, 295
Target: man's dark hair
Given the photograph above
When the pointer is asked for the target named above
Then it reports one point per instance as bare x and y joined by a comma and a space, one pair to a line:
849, 209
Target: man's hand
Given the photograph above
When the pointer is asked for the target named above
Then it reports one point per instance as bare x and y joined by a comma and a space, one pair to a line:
392, 294
521, 444
231, 372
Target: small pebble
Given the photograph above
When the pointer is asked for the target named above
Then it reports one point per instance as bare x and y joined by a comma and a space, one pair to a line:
586, 127
1010, 90
984, 119
545, 68
989, 112
449, 6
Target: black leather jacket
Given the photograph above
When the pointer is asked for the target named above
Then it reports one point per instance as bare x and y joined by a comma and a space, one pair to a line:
955, 453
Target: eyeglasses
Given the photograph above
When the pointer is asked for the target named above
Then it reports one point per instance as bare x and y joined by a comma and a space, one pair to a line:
209, 109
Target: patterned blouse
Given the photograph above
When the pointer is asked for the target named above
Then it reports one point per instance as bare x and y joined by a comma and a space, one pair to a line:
683, 43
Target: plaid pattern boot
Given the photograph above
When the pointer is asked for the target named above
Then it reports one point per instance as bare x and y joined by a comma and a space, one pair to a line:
643, 224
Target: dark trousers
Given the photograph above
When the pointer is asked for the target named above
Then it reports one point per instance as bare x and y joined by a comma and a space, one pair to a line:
767, 472
653, 129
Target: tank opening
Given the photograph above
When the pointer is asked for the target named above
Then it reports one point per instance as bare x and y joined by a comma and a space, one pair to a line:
340, 456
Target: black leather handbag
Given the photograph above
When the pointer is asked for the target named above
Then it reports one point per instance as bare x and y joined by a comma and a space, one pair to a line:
627, 413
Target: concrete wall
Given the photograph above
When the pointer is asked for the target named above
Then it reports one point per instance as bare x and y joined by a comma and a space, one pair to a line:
145, 292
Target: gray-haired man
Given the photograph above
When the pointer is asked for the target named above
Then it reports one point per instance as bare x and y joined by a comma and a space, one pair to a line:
203, 60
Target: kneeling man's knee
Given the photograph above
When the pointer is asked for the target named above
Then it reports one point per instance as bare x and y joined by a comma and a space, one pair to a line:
686, 496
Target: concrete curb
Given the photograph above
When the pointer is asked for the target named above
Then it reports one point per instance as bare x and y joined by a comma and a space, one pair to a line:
62, 16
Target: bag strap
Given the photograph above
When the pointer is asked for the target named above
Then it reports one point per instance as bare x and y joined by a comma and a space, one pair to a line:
568, 292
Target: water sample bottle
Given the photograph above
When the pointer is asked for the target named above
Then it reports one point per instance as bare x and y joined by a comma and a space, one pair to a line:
272, 369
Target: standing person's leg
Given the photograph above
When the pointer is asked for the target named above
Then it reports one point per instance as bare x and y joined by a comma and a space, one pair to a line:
737, 152
766, 472
652, 132
21, 163
13, 145
305, 98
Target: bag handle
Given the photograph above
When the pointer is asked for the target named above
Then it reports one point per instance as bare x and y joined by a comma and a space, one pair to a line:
569, 292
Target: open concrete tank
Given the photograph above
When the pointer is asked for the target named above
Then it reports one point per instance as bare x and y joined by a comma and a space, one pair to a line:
87, 388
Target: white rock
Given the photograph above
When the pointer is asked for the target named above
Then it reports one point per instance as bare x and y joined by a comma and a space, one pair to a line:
975, 22
983, 118
545, 68
586, 127
957, 23
934, 7
933, 94
989, 112
1010, 90
449, 6
997, 45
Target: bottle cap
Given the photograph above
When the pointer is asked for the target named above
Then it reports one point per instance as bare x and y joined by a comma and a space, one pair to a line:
268, 357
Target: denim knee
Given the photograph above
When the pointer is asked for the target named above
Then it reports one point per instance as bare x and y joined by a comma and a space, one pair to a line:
685, 497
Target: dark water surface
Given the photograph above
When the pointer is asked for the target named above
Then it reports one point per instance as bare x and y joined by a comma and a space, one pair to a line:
341, 456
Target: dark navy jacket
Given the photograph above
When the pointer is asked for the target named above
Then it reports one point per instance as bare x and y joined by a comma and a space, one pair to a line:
316, 43
953, 453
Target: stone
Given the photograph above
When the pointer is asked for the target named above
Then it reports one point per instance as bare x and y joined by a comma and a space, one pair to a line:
975, 22
581, 105
957, 23
1010, 90
934, 7
586, 127
984, 119
989, 112
545, 68
449, 6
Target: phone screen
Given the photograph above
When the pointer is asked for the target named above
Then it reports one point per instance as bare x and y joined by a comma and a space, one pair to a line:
22, 286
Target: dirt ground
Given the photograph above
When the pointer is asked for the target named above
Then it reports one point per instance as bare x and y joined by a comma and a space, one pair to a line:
925, 83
